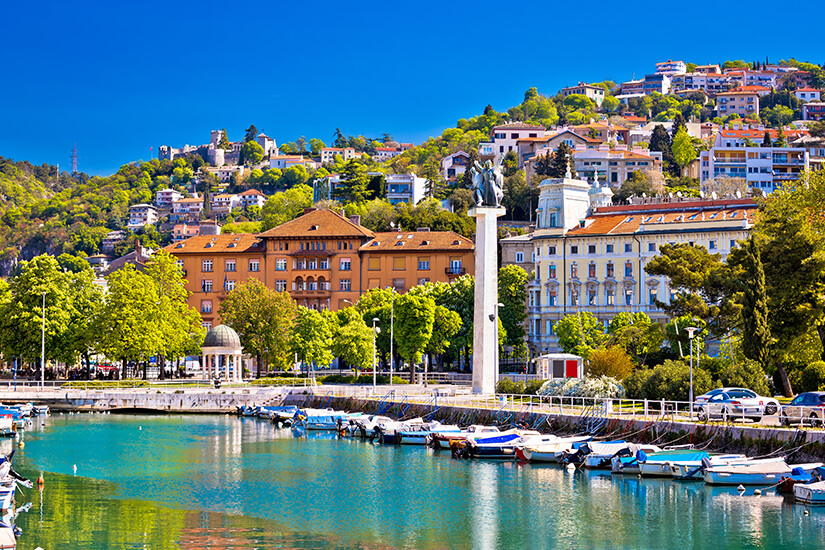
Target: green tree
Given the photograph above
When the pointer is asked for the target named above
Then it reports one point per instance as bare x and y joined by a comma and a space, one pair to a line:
766, 141
435, 185
71, 263
660, 141
354, 184
252, 152
263, 318
312, 337
683, 150
340, 140
636, 334
224, 142
316, 145
512, 292
414, 318
562, 162
580, 333
756, 333
612, 361
351, 338
251, 134
285, 206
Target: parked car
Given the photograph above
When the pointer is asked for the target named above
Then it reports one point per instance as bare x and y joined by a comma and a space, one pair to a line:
771, 404
731, 403
805, 407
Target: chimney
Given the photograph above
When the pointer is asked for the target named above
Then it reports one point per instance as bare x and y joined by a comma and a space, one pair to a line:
308, 210
343, 213
423, 229
355, 219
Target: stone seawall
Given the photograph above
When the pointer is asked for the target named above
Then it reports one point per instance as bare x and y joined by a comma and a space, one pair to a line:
799, 445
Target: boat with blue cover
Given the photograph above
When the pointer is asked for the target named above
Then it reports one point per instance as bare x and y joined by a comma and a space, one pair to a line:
547, 451
758, 473
502, 445
319, 419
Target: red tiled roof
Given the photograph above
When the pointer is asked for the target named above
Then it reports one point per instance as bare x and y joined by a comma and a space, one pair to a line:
229, 243
630, 222
417, 241
807, 90
519, 126
319, 224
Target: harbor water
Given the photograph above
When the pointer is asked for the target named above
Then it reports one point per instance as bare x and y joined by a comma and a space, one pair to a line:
159, 482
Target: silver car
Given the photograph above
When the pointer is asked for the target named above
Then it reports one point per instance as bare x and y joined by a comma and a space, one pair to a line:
806, 407
771, 405
733, 403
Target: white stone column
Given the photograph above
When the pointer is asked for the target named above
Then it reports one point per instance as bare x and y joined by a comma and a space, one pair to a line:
485, 345
238, 367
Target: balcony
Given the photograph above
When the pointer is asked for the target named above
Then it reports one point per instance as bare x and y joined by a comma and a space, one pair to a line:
455, 270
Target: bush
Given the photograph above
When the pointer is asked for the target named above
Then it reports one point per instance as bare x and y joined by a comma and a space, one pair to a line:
280, 381
813, 377
671, 381
747, 375
602, 386
613, 362
635, 383
533, 386
106, 384
505, 385
362, 379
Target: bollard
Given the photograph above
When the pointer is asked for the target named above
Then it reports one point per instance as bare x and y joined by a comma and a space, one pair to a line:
646, 411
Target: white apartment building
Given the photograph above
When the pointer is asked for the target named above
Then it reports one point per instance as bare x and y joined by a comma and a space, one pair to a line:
328, 154
142, 214
186, 209
405, 188
743, 103
710, 83
596, 93
808, 94
764, 168
223, 204
165, 198
453, 166
252, 197
671, 68
224, 173
505, 138
614, 166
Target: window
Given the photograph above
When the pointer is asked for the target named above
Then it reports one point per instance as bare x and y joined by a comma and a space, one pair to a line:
399, 264
280, 264
591, 249
323, 264
375, 264
608, 249
628, 247
711, 245
552, 220
652, 297
551, 271
206, 266
455, 266
423, 280
179, 263
313, 263
551, 297
206, 306
345, 285
574, 249
549, 327
610, 297
628, 297
732, 243
591, 271
628, 269
207, 325
519, 258
424, 263
651, 247
280, 285
254, 265
229, 286
230, 265
206, 285
574, 298
346, 264
398, 284
551, 250
591, 297
574, 271
610, 270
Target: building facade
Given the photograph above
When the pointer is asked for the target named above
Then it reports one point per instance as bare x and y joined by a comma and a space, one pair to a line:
764, 168
595, 93
743, 103
323, 259
591, 256
505, 138
142, 214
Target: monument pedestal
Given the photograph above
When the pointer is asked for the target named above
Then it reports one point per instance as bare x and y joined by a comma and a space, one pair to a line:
485, 320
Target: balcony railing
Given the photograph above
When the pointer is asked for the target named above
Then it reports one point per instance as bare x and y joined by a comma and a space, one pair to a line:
455, 270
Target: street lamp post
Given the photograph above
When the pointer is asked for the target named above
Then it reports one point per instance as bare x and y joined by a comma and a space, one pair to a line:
691, 331
375, 330
43, 346
392, 326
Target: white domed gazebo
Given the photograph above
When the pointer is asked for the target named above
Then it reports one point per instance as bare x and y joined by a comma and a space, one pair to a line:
222, 348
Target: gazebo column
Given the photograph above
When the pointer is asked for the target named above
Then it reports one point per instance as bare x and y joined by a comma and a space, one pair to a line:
240, 367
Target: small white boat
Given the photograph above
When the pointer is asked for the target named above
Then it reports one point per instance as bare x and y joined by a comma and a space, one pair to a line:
442, 440
810, 493
758, 473
546, 452
602, 454
694, 472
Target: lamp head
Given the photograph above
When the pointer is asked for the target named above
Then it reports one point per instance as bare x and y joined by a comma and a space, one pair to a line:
691, 331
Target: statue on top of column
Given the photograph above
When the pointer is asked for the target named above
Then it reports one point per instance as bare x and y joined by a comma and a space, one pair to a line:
488, 184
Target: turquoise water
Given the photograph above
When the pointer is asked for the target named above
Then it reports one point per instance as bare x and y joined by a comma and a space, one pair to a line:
225, 482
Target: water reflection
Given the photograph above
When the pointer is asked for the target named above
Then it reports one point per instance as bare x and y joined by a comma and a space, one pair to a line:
224, 482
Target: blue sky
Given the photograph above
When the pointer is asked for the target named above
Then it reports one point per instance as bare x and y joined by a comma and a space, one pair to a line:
120, 77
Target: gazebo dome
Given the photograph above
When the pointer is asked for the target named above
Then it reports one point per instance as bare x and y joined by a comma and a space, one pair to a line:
222, 336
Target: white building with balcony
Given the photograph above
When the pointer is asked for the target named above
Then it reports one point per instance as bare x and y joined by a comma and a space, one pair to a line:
165, 198
142, 214
671, 68
405, 188
743, 103
763, 168
505, 138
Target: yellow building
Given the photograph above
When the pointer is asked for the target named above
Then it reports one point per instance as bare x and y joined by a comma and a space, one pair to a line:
590, 255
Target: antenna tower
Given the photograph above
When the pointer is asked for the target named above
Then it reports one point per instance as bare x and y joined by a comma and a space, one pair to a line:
73, 156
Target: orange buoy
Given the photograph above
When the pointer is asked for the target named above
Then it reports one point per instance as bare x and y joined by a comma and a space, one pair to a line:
40, 480
22, 444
